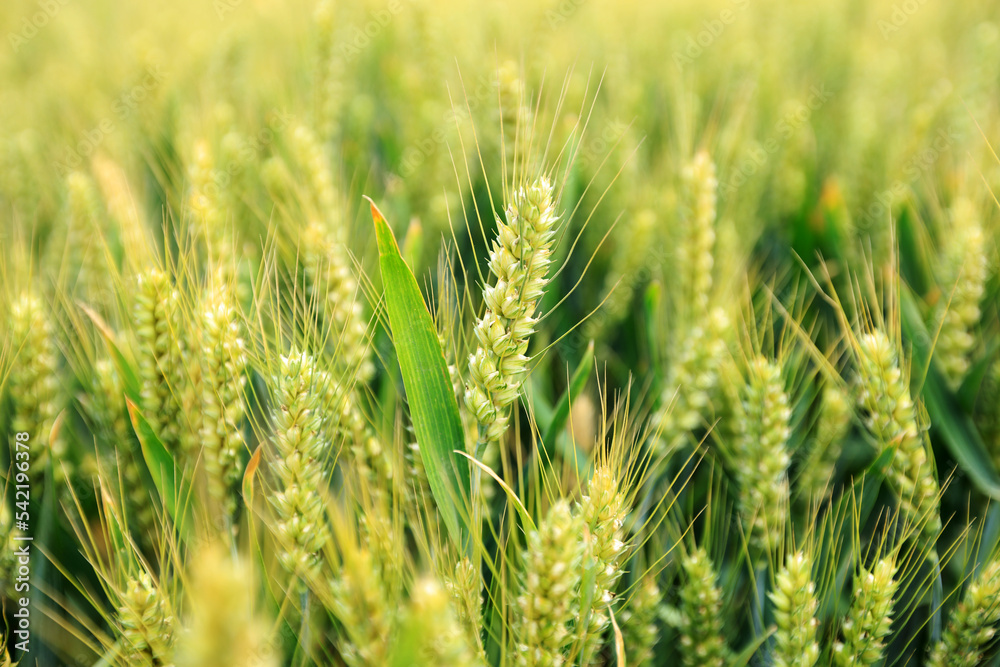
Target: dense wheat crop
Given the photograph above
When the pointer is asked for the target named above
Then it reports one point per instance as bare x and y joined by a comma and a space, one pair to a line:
419, 332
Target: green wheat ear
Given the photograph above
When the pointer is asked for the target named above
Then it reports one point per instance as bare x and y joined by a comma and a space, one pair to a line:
224, 361
702, 643
869, 620
519, 263
156, 318
638, 622
551, 582
603, 510
762, 439
33, 384
300, 450
795, 603
146, 623
892, 419
965, 274
973, 623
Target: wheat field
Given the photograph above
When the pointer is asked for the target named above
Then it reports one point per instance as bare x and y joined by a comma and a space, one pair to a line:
419, 332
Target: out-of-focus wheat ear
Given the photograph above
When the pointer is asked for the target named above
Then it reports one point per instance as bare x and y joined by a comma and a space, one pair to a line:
795, 603
33, 383
146, 622
84, 265
638, 622
444, 641
519, 263
328, 89
695, 251
762, 455
466, 589
300, 449
332, 286
973, 624
157, 325
603, 510
702, 643
891, 417
515, 116
831, 427
223, 357
965, 273
359, 601
692, 379
870, 617
221, 626
312, 158
550, 583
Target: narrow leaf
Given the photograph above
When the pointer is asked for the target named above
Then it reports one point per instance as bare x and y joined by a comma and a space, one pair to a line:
575, 388
521, 510
173, 491
433, 406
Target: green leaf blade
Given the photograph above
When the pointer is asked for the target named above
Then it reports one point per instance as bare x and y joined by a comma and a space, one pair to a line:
433, 406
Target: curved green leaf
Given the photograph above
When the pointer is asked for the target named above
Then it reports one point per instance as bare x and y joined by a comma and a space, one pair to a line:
433, 406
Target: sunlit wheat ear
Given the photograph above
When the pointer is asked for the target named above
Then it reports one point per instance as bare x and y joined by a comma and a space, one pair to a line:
603, 510
831, 427
884, 395
965, 273
519, 262
299, 449
695, 257
761, 455
359, 601
146, 623
224, 361
331, 285
551, 578
794, 601
33, 384
220, 626
638, 622
157, 322
444, 640
702, 642
973, 623
869, 620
